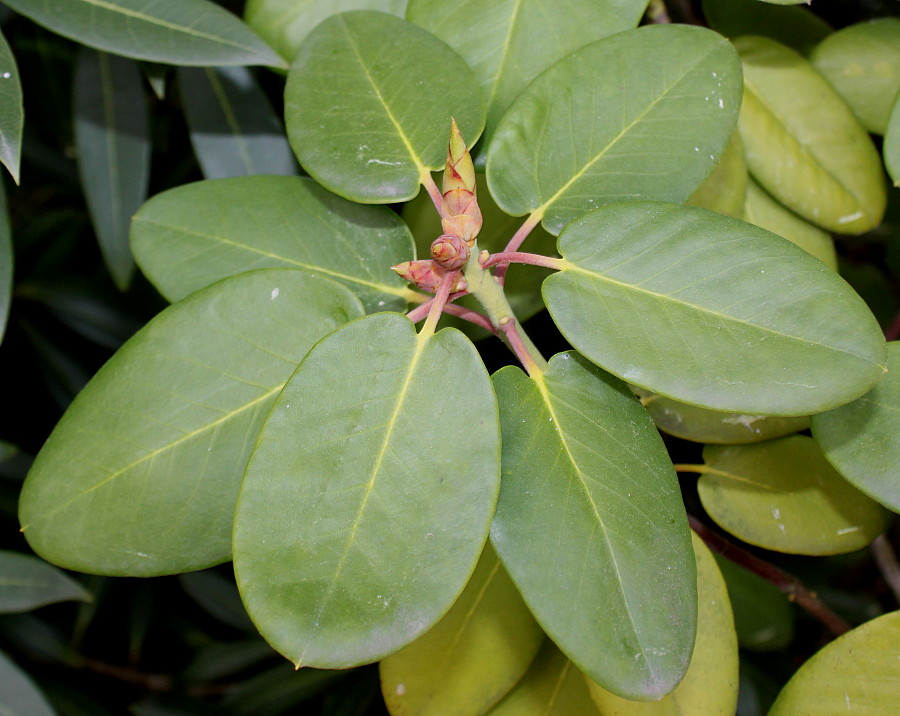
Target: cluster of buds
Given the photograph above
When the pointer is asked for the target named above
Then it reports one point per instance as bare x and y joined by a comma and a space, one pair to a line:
460, 219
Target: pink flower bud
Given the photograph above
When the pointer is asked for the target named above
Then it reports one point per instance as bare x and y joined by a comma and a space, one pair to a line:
450, 252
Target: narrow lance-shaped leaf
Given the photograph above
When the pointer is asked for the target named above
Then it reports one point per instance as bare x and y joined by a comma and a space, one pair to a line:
640, 134
113, 151
590, 513
19, 696
389, 89
233, 129
712, 311
862, 439
176, 32
512, 41
141, 474
193, 235
6, 264
354, 541
12, 117
27, 583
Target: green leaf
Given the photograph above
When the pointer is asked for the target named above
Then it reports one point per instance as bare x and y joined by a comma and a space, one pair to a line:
793, 26
178, 409
710, 685
352, 542
6, 264
27, 583
590, 513
472, 657
658, 138
725, 190
233, 129
19, 696
113, 145
553, 686
855, 674
176, 32
284, 24
12, 118
892, 144
219, 597
762, 614
862, 62
803, 144
861, 439
784, 496
700, 425
761, 209
389, 90
195, 234
712, 311
508, 43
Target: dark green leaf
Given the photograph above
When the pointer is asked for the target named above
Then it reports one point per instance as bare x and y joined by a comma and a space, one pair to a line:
233, 128
218, 596
12, 118
712, 311
141, 474
27, 583
652, 135
6, 264
590, 513
862, 439
177, 32
113, 151
388, 89
18, 694
892, 144
353, 541
793, 26
193, 235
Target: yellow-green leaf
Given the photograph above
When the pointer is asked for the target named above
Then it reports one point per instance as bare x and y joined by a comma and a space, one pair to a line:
725, 190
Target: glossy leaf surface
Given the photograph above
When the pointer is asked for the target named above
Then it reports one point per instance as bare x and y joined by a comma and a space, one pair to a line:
862, 439
892, 144
284, 24
12, 117
472, 657
711, 683
640, 134
553, 686
141, 474
6, 264
700, 425
784, 496
855, 674
712, 311
862, 62
19, 696
761, 209
803, 144
177, 32
113, 144
354, 541
233, 129
27, 583
590, 513
725, 190
793, 26
389, 89
508, 43
193, 235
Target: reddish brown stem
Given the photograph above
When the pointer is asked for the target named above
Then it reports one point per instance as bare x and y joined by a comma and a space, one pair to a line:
467, 314
520, 257
795, 590
515, 242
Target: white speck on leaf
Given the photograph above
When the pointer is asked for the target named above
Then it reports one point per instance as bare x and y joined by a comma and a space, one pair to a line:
400, 690
776, 513
848, 530
7, 75
274, 294
850, 217
381, 161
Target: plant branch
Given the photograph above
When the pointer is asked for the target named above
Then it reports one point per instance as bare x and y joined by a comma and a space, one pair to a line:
795, 590
428, 182
886, 559
516, 241
439, 301
519, 257
467, 314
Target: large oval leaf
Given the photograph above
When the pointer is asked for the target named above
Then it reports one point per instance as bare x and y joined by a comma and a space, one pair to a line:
710, 685
354, 538
193, 235
590, 513
516, 40
712, 311
783, 495
640, 134
862, 439
12, 117
859, 673
862, 62
472, 657
725, 190
27, 582
284, 24
177, 32
796, 27
803, 143
388, 89
141, 474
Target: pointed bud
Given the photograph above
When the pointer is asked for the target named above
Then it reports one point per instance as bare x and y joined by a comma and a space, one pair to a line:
450, 252
460, 172
426, 275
